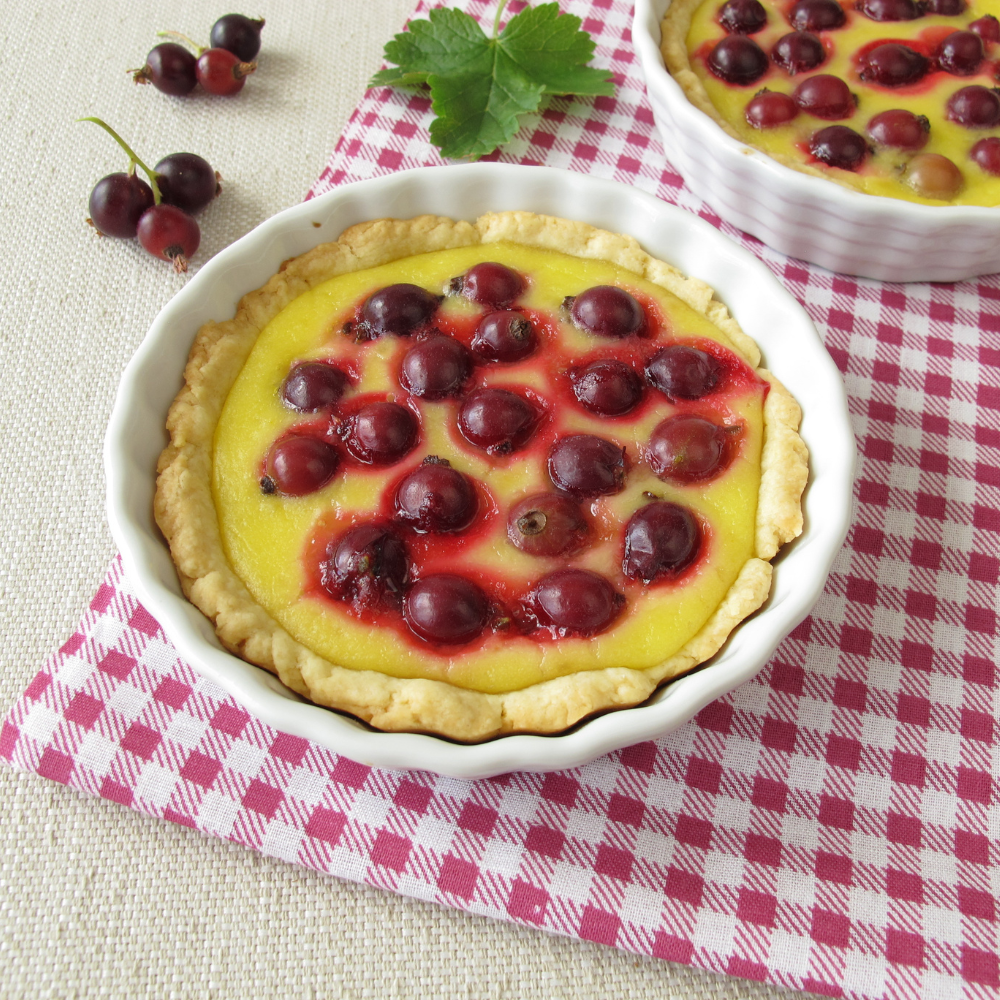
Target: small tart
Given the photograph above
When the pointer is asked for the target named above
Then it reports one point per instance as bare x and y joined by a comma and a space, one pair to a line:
963, 159
257, 557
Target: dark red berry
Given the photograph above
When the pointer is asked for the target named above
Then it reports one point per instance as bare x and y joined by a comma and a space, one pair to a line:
738, 60
961, 53
892, 64
687, 449
661, 540
945, 8
547, 524
497, 420
436, 368
170, 234
446, 608
683, 372
222, 73
187, 181
117, 203
489, 284
380, 433
816, 15
606, 311
170, 68
366, 567
798, 52
987, 27
574, 602
742, 17
239, 34
900, 129
398, 309
299, 464
435, 497
586, 466
890, 10
312, 386
974, 107
504, 336
839, 146
607, 387
825, 96
986, 153
770, 109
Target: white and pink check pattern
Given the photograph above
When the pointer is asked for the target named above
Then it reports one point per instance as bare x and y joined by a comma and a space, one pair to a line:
831, 826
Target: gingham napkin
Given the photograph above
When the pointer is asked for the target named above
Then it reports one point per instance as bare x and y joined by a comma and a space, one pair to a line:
831, 826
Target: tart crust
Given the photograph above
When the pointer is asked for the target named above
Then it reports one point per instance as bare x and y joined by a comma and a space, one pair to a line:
186, 514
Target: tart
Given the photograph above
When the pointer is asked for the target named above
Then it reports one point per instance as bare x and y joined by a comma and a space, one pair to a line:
478, 479
890, 97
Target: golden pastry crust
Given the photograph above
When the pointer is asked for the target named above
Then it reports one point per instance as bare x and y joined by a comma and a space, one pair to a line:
186, 513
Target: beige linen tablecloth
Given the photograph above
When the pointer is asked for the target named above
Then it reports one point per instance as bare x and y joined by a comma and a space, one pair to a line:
97, 900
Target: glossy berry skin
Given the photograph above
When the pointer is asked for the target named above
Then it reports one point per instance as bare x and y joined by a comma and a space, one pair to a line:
946, 8
825, 96
299, 464
893, 65
586, 466
607, 311
683, 372
890, 10
986, 153
547, 524
436, 368
934, 176
839, 146
987, 27
497, 420
687, 449
816, 15
381, 433
574, 602
366, 567
239, 34
661, 540
607, 387
312, 386
187, 181
961, 53
770, 109
170, 68
170, 234
435, 497
504, 336
798, 52
117, 203
974, 107
490, 284
899, 129
398, 309
742, 17
446, 608
738, 60
221, 73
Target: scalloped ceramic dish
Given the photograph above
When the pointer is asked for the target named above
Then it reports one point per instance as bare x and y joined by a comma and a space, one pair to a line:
766, 311
805, 216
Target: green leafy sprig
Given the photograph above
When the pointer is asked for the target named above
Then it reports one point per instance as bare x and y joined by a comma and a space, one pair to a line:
479, 85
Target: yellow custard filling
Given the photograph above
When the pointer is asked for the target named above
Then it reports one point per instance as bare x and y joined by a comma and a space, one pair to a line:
269, 540
884, 172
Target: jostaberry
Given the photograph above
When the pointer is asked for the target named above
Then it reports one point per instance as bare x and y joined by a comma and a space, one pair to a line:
893, 64
839, 146
961, 53
586, 466
687, 449
770, 109
312, 386
816, 15
399, 309
607, 311
435, 497
683, 372
489, 284
900, 129
661, 540
987, 27
738, 60
299, 464
117, 203
547, 524
497, 420
366, 567
798, 52
239, 34
742, 17
504, 336
974, 107
574, 602
825, 96
446, 608
607, 387
380, 433
934, 176
890, 10
436, 368
986, 153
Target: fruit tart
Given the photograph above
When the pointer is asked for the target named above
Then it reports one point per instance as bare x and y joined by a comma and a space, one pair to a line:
890, 97
474, 479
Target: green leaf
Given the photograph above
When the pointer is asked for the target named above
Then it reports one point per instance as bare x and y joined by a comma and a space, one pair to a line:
479, 86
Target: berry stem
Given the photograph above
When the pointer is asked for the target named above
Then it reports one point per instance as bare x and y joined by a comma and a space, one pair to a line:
133, 159
198, 49
496, 20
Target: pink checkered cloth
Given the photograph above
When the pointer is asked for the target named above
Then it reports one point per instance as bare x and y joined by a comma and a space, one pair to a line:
831, 826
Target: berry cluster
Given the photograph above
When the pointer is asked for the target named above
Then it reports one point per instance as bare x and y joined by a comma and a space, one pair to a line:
738, 59
221, 68
159, 213
371, 566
